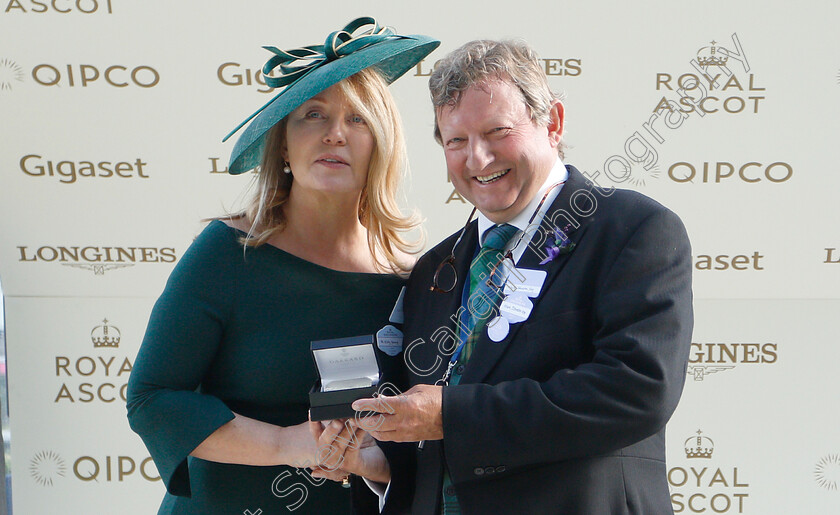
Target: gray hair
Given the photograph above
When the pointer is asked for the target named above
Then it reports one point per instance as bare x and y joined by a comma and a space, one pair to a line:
481, 60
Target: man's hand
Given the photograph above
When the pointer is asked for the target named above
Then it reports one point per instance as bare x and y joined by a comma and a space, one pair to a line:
413, 416
344, 449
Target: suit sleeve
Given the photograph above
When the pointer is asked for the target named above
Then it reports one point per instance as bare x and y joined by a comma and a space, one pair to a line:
627, 391
184, 331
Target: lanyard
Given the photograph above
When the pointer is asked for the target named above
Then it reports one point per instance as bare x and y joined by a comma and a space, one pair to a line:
463, 334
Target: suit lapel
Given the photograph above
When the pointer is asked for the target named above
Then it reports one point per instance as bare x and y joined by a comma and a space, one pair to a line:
562, 216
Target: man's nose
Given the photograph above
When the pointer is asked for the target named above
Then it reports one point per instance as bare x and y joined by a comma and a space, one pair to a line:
478, 155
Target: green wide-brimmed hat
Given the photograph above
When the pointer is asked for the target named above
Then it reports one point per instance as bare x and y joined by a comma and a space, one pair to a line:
307, 71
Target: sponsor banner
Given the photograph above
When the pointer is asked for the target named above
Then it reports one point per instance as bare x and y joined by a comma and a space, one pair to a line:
70, 441
111, 156
745, 396
87, 267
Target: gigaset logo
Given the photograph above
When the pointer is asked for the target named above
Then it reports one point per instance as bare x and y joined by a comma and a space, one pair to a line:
233, 74
68, 172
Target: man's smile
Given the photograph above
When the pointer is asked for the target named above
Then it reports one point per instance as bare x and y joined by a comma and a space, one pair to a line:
487, 179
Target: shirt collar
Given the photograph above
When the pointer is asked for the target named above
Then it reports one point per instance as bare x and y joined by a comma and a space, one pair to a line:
558, 174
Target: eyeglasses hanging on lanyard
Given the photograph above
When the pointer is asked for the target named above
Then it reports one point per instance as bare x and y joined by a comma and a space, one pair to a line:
446, 276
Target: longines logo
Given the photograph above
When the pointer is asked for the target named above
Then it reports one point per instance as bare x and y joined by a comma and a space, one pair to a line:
552, 67
831, 255
752, 172
700, 486
60, 6
47, 467
96, 259
85, 75
827, 472
102, 378
739, 262
710, 358
217, 166
10, 73
68, 172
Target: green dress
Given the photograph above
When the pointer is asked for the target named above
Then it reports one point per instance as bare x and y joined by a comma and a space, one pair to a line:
231, 333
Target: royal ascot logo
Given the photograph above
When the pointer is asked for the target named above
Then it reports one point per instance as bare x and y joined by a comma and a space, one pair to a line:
827, 472
60, 6
105, 335
700, 486
553, 67
752, 172
711, 358
10, 73
97, 259
715, 88
719, 82
68, 172
699, 446
97, 376
46, 467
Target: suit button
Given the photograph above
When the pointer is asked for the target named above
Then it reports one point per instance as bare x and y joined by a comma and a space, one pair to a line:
490, 470
449, 491
500, 469
478, 471
459, 370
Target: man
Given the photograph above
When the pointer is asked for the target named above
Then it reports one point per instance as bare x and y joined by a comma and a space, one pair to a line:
559, 401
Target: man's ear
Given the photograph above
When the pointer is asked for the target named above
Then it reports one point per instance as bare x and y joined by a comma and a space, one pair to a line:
555, 123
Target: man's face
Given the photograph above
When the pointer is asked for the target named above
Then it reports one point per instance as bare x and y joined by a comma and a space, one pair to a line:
496, 156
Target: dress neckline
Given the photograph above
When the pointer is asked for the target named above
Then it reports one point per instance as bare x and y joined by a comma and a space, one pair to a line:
289, 255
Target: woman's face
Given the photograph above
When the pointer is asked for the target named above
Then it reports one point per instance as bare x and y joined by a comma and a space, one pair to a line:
328, 144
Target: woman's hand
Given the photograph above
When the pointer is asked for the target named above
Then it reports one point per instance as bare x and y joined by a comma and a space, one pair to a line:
301, 450
246, 441
346, 449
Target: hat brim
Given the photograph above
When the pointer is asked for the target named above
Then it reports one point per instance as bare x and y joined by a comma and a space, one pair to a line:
392, 57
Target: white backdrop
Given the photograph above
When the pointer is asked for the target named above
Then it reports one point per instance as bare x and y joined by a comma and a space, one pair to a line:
150, 88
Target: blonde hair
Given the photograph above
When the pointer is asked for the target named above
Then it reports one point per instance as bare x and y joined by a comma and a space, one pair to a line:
379, 212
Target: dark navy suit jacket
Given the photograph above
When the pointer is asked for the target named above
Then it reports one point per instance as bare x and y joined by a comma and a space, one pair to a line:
567, 414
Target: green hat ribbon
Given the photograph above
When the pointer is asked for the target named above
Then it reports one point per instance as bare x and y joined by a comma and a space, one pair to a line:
338, 44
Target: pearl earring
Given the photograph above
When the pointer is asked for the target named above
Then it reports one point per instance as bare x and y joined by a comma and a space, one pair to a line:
287, 169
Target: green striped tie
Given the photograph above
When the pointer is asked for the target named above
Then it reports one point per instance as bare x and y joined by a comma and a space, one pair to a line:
483, 299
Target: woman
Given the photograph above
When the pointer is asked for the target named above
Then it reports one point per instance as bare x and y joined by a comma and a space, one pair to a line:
219, 389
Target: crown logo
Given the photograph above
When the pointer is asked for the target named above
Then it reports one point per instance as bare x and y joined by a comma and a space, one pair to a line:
105, 335
699, 446
712, 55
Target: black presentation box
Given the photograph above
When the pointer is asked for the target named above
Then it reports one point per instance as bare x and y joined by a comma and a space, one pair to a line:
348, 369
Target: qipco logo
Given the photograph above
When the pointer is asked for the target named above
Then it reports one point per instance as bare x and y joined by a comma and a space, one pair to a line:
85, 75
